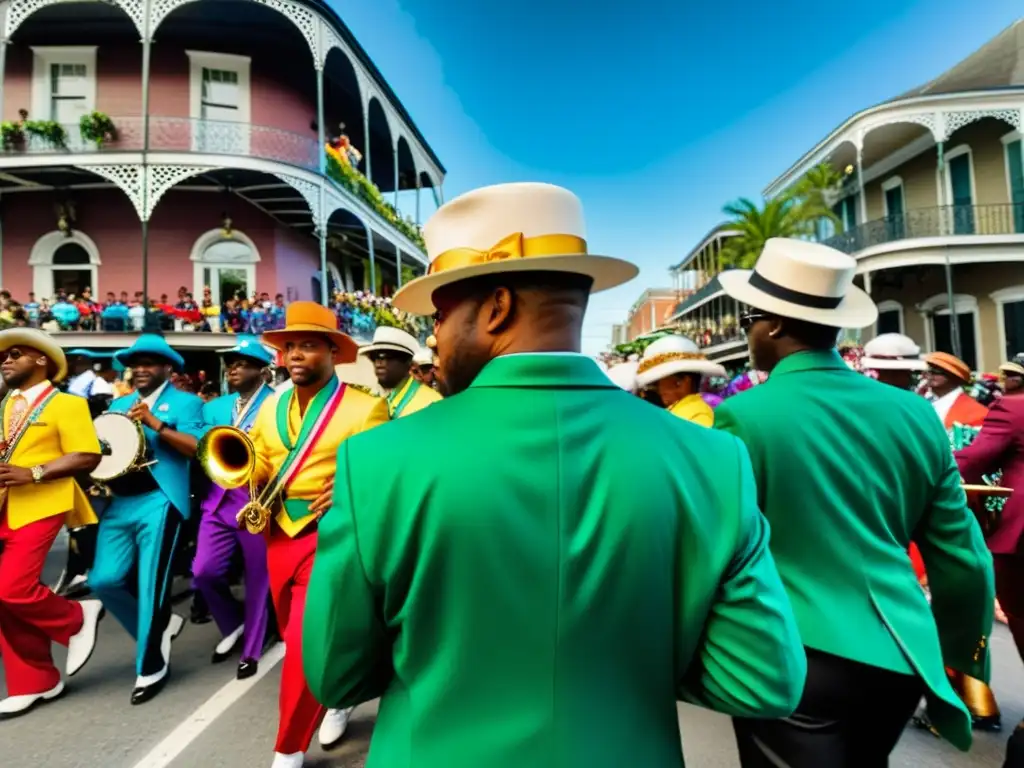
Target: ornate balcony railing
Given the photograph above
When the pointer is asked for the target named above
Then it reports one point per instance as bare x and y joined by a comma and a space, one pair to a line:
215, 137
944, 221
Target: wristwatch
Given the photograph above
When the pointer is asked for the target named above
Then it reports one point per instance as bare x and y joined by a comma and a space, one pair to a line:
37, 474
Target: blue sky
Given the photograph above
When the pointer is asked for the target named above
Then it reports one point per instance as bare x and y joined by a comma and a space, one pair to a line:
656, 114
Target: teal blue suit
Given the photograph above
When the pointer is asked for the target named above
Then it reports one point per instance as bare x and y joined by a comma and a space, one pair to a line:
571, 563
850, 471
142, 531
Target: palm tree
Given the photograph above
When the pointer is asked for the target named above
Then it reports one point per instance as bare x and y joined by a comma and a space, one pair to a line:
813, 189
782, 216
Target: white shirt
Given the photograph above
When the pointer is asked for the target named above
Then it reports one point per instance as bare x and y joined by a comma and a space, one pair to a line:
944, 403
31, 393
88, 383
153, 396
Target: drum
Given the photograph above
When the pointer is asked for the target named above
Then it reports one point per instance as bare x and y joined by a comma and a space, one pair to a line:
123, 443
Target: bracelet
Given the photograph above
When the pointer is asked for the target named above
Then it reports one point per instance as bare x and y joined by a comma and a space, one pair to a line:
162, 427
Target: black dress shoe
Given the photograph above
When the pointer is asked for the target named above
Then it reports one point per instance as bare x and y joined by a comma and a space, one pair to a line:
989, 723
142, 694
247, 668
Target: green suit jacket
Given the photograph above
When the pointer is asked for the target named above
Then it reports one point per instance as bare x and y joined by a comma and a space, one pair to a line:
850, 471
570, 552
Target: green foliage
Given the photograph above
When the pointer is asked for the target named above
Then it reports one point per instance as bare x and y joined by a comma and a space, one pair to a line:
98, 128
12, 136
360, 186
50, 131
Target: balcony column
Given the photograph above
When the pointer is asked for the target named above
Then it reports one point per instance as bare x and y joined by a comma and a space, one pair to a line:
418, 222
860, 185
398, 264
3, 66
394, 155
322, 160
147, 44
373, 261
366, 141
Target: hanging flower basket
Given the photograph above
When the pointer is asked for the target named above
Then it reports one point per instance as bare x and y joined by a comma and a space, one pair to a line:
97, 128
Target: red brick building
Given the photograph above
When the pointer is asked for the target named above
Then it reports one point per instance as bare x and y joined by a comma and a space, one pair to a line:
214, 172
651, 311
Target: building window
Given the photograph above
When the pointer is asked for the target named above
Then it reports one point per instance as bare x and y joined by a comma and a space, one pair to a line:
226, 264
219, 102
960, 194
64, 86
1010, 315
1015, 181
890, 318
895, 212
939, 332
64, 263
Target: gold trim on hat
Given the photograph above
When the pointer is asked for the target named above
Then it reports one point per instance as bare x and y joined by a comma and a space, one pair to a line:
515, 246
668, 357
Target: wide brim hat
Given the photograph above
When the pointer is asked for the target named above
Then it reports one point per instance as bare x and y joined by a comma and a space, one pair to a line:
41, 341
150, 345
508, 228
674, 354
423, 357
893, 352
804, 281
251, 348
388, 339
949, 364
305, 318
623, 375
1014, 369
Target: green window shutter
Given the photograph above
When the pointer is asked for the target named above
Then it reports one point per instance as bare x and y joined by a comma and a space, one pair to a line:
1015, 161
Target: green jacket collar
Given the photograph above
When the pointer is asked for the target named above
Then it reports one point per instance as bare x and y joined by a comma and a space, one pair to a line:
810, 361
542, 370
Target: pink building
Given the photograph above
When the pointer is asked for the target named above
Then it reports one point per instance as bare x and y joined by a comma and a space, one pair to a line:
196, 157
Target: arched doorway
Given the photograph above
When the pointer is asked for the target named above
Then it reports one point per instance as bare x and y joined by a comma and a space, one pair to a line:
226, 262
64, 262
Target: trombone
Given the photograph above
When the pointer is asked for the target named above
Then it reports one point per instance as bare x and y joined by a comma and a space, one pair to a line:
228, 457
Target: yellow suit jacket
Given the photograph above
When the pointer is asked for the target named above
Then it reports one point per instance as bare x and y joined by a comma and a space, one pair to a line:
356, 413
693, 408
65, 426
424, 396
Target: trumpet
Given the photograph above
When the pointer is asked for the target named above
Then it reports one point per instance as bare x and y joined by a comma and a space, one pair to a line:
228, 457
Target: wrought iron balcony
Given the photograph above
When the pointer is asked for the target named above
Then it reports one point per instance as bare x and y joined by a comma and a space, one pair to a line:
944, 221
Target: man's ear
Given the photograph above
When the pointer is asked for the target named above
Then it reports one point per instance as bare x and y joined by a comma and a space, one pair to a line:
777, 327
500, 308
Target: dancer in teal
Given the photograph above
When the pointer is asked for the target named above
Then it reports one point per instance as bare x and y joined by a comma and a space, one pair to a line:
140, 530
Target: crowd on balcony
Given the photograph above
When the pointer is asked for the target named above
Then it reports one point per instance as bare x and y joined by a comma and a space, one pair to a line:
359, 313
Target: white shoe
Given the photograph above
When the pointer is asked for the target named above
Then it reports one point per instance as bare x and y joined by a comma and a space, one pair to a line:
227, 644
174, 627
333, 727
18, 705
294, 760
83, 643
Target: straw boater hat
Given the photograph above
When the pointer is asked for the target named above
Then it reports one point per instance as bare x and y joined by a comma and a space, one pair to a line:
387, 339
951, 365
423, 357
1012, 369
303, 318
43, 342
670, 355
893, 352
508, 228
802, 281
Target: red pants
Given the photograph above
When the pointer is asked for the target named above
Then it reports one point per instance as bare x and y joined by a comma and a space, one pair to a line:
290, 563
31, 616
918, 561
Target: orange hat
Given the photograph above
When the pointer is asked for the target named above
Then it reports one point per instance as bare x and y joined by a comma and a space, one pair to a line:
305, 318
950, 364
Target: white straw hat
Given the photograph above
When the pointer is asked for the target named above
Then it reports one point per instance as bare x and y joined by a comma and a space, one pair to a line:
423, 357
803, 281
523, 227
386, 338
893, 352
623, 375
674, 354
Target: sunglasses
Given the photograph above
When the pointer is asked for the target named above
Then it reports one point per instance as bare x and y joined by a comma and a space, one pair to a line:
747, 319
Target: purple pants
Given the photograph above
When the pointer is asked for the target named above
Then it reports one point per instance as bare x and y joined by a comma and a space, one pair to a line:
219, 535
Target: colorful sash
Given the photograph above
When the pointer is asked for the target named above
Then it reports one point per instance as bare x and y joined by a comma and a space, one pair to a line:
314, 422
34, 411
403, 396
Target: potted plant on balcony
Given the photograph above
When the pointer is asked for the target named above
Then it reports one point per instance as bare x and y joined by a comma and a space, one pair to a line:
47, 131
98, 128
12, 135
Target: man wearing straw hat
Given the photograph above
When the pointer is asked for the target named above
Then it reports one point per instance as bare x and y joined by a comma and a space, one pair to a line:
296, 438
48, 438
547, 565
674, 365
894, 358
392, 352
947, 375
849, 471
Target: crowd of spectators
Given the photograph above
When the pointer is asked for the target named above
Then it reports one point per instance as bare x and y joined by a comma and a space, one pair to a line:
359, 313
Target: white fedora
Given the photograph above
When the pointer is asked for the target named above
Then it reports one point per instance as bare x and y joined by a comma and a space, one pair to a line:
508, 228
423, 356
803, 281
623, 375
41, 342
893, 352
388, 339
670, 355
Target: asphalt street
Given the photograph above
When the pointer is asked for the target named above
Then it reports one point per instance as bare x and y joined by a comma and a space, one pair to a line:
205, 719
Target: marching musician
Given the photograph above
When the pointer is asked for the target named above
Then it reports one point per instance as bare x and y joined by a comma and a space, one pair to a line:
392, 353
296, 438
48, 438
140, 529
219, 534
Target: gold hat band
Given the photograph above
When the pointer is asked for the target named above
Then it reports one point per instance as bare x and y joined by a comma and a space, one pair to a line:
515, 246
668, 357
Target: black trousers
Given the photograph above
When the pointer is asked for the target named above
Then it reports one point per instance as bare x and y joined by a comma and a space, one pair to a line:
850, 716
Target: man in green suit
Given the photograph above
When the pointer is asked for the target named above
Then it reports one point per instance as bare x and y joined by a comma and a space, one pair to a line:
570, 563
849, 471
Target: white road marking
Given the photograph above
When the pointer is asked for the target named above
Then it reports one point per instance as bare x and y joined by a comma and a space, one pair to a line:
164, 753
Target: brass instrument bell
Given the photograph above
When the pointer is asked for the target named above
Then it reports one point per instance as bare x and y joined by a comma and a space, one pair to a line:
228, 457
